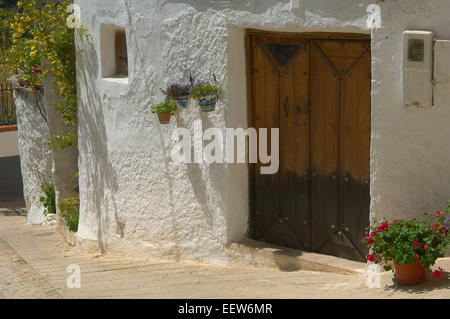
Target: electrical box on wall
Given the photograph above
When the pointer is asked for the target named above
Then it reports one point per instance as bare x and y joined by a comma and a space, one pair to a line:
417, 68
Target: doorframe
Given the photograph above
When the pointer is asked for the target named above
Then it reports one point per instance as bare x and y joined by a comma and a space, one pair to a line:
249, 33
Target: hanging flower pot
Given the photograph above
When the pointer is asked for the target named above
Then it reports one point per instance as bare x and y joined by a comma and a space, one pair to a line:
208, 102
164, 110
207, 95
410, 273
179, 93
164, 118
182, 100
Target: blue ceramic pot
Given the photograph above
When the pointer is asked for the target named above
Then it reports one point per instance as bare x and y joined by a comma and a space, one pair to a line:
208, 102
182, 100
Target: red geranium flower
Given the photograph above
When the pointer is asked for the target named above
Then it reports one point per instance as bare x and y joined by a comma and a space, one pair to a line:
416, 244
437, 273
371, 258
369, 240
416, 257
372, 234
425, 246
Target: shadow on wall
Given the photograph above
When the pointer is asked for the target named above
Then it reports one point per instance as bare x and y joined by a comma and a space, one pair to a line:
97, 176
35, 155
207, 183
254, 6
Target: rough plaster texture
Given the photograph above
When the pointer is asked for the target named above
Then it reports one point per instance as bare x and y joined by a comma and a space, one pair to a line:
39, 163
35, 155
135, 199
65, 161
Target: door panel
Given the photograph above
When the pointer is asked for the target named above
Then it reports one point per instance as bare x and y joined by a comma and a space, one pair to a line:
355, 153
298, 175
324, 88
317, 92
265, 93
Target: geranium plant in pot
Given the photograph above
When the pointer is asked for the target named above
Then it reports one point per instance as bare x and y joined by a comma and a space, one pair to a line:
207, 95
179, 93
32, 78
409, 247
164, 110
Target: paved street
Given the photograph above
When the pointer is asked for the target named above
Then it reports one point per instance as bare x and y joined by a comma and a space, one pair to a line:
34, 260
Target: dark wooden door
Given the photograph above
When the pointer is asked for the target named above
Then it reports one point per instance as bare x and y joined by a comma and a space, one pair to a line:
317, 92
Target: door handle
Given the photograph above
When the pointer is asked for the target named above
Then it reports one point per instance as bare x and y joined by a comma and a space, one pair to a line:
285, 106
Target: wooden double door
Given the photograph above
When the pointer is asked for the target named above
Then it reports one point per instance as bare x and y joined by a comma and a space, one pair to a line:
316, 90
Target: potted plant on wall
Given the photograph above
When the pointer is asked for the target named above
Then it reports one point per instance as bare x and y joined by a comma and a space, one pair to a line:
32, 78
207, 95
410, 247
164, 110
179, 93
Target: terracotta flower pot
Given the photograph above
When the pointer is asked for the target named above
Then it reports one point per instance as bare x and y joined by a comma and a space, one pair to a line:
410, 274
164, 118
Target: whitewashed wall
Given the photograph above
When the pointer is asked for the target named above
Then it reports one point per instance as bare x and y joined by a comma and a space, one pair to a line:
35, 155
39, 163
135, 199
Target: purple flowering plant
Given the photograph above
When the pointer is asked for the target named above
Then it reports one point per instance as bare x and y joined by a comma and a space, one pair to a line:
176, 90
201, 89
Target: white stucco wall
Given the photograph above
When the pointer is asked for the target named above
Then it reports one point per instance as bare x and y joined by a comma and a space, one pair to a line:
35, 155
136, 200
64, 161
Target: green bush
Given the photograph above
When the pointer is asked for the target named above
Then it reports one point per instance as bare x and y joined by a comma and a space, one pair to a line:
49, 201
70, 211
164, 107
202, 89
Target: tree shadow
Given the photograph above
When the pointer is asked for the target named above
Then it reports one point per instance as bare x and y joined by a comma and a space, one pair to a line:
98, 177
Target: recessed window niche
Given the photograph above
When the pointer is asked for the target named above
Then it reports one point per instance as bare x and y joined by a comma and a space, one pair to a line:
114, 53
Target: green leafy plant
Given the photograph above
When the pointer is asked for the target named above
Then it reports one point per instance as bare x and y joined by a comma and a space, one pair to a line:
38, 30
409, 241
202, 89
8, 119
70, 211
49, 200
164, 107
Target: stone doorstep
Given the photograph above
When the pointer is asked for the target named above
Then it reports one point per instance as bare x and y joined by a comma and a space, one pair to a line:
252, 253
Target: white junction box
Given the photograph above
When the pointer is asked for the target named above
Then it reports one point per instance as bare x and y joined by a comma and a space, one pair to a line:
418, 68
442, 61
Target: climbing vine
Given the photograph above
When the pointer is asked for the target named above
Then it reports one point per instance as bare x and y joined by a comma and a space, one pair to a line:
38, 31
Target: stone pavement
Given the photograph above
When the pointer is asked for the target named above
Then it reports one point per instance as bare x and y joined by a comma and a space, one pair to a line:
34, 261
